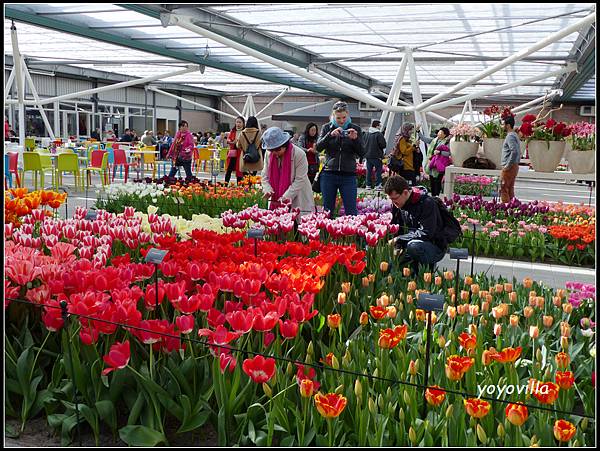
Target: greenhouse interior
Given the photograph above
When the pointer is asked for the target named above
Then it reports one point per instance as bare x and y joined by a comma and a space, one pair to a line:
300, 224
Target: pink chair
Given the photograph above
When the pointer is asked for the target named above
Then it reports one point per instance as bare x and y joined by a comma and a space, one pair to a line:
121, 160
11, 168
99, 164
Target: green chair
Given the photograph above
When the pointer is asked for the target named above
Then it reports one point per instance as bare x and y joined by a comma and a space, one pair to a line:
32, 162
30, 143
67, 162
98, 164
223, 157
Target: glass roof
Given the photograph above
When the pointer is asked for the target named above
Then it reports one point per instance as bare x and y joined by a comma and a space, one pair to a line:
450, 42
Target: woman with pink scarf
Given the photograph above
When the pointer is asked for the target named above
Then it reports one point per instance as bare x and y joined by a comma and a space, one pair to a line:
285, 173
181, 151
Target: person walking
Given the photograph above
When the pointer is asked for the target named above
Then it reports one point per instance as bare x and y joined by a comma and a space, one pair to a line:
442, 138
248, 136
308, 142
284, 176
342, 142
403, 150
181, 151
375, 146
511, 156
233, 156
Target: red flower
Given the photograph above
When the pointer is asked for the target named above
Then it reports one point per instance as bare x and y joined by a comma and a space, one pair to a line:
264, 323
220, 336
330, 405
288, 329
550, 123
241, 321
259, 369
227, 361
529, 118
378, 312
357, 267
185, 323
565, 379
117, 358
526, 129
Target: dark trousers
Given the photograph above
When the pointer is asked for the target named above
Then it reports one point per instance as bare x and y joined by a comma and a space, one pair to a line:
187, 166
422, 253
346, 184
410, 176
378, 165
436, 184
230, 169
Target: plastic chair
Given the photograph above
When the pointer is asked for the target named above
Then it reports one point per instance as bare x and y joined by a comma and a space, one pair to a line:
204, 155
223, 157
11, 160
32, 162
67, 162
121, 160
149, 159
30, 143
99, 164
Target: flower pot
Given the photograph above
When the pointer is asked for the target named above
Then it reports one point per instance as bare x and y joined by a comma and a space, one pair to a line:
582, 162
460, 151
545, 155
492, 150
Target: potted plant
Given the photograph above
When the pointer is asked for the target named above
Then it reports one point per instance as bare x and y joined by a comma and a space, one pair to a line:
493, 132
545, 141
581, 145
463, 144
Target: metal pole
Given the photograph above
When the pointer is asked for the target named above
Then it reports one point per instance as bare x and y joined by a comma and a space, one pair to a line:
168, 94
156, 285
396, 88
462, 115
231, 106
9, 83
456, 297
427, 362
298, 109
570, 67
272, 101
416, 91
37, 99
589, 19
473, 250
185, 22
549, 95
65, 318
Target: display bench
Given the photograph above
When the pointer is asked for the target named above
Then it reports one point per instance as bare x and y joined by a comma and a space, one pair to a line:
453, 171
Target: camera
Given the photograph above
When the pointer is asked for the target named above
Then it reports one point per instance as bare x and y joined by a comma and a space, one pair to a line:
344, 133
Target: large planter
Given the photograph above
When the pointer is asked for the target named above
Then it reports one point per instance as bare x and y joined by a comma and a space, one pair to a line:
582, 162
460, 151
545, 155
492, 150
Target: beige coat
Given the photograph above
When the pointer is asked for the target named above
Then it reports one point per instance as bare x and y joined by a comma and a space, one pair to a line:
300, 191
243, 140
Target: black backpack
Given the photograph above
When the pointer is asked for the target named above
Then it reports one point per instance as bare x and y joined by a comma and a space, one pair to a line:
417, 158
251, 154
452, 230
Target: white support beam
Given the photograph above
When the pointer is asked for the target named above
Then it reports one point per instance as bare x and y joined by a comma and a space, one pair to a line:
231, 106
462, 114
20, 79
471, 111
9, 83
139, 81
568, 68
168, 94
56, 117
185, 22
588, 20
273, 101
387, 117
37, 99
76, 122
549, 95
296, 110
420, 118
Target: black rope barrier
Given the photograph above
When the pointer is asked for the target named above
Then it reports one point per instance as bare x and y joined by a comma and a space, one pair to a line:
313, 365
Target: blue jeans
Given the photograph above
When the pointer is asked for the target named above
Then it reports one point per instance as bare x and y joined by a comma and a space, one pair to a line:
423, 253
378, 165
187, 166
346, 184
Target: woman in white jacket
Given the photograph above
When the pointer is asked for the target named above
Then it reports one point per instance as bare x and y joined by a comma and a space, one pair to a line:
285, 173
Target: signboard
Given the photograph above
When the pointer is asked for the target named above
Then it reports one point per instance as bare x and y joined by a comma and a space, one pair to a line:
155, 256
255, 233
431, 302
459, 253
91, 215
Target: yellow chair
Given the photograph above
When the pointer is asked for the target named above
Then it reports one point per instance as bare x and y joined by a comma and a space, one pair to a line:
30, 143
67, 162
32, 162
204, 155
99, 164
223, 157
148, 159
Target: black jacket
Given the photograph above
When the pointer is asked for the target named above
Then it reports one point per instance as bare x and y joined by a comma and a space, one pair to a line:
374, 145
341, 152
422, 213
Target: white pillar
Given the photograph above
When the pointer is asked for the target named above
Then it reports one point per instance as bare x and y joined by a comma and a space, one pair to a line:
57, 117
387, 117
76, 122
420, 118
37, 98
231, 106
126, 118
462, 114
272, 101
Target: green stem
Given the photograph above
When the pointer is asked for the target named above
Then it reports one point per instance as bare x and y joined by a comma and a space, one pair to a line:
330, 431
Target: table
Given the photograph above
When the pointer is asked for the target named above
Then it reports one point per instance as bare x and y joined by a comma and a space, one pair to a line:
131, 154
452, 171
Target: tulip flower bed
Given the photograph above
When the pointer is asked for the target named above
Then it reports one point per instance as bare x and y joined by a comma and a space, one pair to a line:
18, 202
136, 367
177, 199
473, 185
536, 231
361, 174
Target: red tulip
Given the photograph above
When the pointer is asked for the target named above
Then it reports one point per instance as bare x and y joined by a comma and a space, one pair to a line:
227, 361
241, 321
117, 358
259, 369
264, 323
185, 323
288, 329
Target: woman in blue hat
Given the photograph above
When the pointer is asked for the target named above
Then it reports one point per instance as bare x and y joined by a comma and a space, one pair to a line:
285, 173
342, 142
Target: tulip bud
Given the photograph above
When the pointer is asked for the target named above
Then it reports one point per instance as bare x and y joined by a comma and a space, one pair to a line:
309, 348
576, 443
347, 358
341, 298
372, 406
481, 434
406, 397
500, 430
365, 282
564, 343
412, 435
380, 401
584, 424
339, 389
376, 372
391, 312
364, 319
412, 368
335, 364
534, 332
547, 320
547, 374
401, 307
468, 280
267, 390
472, 329
358, 391
390, 280
533, 440
438, 281
497, 329
538, 355
383, 266
289, 369
401, 414
371, 278
512, 297
441, 341
567, 308
449, 410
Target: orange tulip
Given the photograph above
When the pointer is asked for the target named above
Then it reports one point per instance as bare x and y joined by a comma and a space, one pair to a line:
512, 297
477, 408
497, 329
534, 332
346, 287
507, 355
539, 302
499, 288
406, 272
333, 321
565, 379
451, 311
561, 293
565, 329
468, 280
364, 319
378, 312
427, 277
434, 395
473, 310
486, 356
467, 341
383, 300
307, 387
517, 414
556, 301
341, 298
448, 275
330, 405
438, 281
365, 281
475, 289
567, 308
527, 312
546, 392
485, 306
547, 320
412, 285
527, 282
508, 287
464, 295
391, 312
383, 266
563, 430
420, 315
457, 366
400, 331
514, 320
388, 339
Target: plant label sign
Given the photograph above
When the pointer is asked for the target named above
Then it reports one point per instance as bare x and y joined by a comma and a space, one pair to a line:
91, 215
155, 256
459, 253
431, 302
255, 233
